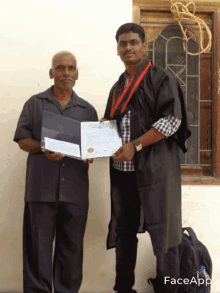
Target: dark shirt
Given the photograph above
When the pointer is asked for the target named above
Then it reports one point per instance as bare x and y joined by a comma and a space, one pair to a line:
46, 180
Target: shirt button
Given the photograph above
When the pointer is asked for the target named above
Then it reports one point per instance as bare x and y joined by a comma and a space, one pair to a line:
63, 165
62, 179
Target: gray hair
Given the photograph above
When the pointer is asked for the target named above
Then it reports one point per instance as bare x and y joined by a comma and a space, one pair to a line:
60, 53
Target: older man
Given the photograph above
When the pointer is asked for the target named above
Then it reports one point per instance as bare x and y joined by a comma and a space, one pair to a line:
56, 188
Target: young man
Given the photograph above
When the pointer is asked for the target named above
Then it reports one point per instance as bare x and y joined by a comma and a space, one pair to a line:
56, 188
145, 172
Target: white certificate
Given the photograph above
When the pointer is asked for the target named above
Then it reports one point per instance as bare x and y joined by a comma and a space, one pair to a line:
99, 139
65, 148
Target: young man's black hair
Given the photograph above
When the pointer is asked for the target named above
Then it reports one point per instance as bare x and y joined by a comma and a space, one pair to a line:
131, 27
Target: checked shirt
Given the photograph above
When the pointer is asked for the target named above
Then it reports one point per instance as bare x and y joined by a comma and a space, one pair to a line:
167, 126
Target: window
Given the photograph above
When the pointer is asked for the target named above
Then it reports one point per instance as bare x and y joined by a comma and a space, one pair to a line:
196, 77
167, 51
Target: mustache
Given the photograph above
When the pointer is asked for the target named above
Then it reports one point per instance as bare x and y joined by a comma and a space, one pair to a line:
63, 78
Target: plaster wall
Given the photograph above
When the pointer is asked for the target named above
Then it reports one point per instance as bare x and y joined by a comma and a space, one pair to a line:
31, 32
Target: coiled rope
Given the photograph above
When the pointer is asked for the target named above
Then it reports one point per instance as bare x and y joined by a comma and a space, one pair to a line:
181, 13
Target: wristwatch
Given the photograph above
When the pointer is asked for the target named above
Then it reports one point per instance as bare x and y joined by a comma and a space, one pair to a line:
137, 144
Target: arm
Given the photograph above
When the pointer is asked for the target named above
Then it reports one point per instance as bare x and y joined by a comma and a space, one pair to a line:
164, 127
31, 145
168, 108
127, 151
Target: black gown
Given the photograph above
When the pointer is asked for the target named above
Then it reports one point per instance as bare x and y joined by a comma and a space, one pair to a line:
157, 166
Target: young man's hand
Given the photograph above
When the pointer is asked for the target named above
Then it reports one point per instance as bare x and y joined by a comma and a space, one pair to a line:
125, 153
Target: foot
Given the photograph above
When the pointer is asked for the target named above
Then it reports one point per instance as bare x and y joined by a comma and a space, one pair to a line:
159, 285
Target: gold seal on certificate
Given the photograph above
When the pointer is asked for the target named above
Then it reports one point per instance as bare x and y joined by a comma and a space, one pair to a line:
90, 150
79, 140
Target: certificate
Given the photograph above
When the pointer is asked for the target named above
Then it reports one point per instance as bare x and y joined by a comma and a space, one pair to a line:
67, 148
80, 140
61, 134
99, 139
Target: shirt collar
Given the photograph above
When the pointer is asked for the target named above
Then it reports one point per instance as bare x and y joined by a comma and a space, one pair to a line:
126, 76
48, 94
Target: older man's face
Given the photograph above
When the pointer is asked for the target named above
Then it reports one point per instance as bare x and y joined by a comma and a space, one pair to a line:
64, 72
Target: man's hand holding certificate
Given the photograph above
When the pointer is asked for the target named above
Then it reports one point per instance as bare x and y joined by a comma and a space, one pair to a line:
99, 139
83, 140
52, 156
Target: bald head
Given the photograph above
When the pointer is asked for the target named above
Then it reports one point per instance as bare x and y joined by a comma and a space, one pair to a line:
60, 54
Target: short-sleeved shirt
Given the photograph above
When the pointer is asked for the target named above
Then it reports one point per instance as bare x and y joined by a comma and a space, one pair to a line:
50, 181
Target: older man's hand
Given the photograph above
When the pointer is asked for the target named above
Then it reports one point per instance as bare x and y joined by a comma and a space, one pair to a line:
125, 153
52, 156
103, 119
90, 161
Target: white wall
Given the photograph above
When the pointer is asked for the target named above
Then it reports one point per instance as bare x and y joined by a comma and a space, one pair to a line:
31, 32
201, 210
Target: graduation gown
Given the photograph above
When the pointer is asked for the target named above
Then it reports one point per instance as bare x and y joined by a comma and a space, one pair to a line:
157, 166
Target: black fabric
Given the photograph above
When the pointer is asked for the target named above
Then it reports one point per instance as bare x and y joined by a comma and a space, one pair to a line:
46, 180
193, 253
159, 95
127, 213
56, 202
157, 166
44, 222
182, 263
167, 265
126, 206
117, 92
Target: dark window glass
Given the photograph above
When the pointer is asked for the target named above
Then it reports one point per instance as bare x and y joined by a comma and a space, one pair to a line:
159, 49
172, 31
193, 61
175, 52
150, 55
192, 147
192, 100
171, 54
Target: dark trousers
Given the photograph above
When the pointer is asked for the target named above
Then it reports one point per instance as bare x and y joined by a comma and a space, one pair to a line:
43, 223
127, 206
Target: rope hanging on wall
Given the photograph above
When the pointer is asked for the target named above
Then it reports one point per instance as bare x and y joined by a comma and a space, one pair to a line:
181, 13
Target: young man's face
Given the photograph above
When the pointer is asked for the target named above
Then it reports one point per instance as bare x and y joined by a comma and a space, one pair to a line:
64, 72
130, 48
